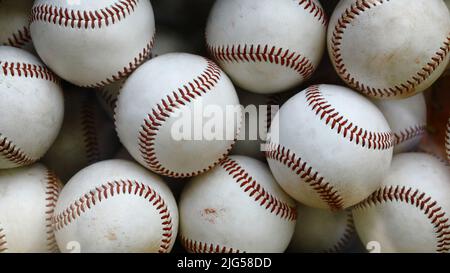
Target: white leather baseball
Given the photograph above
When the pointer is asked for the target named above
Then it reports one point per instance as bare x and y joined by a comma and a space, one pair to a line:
148, 108
14, 20
32, 108
410, 211
87, 135
28, 197
93, 43
236, 207
334, 147
116, 206
267, 46
319, 230
407, 119
389, 49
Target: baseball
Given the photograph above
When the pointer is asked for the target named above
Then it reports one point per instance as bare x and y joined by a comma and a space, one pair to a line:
27, 89
87, 135
116, 206
319, 230
28, 197
389, 49
14, 19
336, 150
157, 96
236, 207
407, 119
267, 46
93, 43
410, 211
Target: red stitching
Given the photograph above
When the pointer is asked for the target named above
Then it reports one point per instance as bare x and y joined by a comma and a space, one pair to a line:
127, 70
410, 85
447, 141
420, 200
83, 18
326, 112
409, 133
315, 10
263, 53
3, 242
346, 237
250, 186
89, 129
108, 191
12, 153
200, 247
19, 39
310, 177
52, 191
16, 69
162, 111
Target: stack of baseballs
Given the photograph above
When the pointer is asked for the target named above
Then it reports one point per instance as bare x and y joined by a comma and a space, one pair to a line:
334, 163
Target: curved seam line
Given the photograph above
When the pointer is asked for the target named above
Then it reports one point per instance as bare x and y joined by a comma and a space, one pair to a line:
418, 199
111, 189
256, 191
336, 42
163, 110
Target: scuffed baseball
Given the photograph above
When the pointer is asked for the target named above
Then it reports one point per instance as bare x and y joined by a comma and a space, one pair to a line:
28, 197
87, 135
410, 211
116, 206
319, 230
329, 147
265, 51
407, 119
93, 43
390, 49
31, 100
236, 207
14, 20
158, 96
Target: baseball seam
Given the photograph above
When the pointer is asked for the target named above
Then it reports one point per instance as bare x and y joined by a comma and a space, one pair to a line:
3, 241
127, 70
115, 188
309, 176
354, 133
250, 186
19, 69
162, 111
12, 153
200, 247
95, 19
406, 87
84, 18
420, 200
52, 191
447, 141
346, 236
271, 54
409, 133
20, 38
315, 10
89, 130
263, 53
